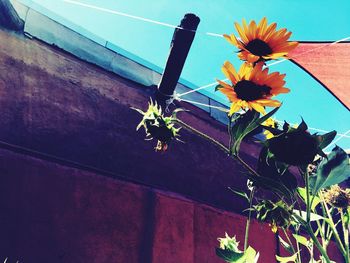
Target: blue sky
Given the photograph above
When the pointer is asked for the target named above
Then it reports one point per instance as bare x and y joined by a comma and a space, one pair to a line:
311, 20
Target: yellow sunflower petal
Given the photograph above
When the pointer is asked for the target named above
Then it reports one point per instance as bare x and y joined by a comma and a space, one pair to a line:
246, 29
233, 40
241, 33
245, 71
285, 47
234, 108
224, 84
228, 91
268, 103
262, 27
280, 90
257, 107
230, 72
253, 29
269, 31
252, 58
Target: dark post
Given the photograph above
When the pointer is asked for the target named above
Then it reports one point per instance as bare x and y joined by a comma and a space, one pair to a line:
179, 48
9, 17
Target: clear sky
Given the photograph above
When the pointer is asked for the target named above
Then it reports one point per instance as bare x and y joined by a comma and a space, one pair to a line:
313, 20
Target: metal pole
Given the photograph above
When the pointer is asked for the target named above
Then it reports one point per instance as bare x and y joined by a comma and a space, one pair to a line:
179, 48
9, 17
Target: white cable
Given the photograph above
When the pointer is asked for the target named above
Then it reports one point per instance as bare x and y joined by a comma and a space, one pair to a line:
316, 129
342, 136
106, 10
205, 105
200, 88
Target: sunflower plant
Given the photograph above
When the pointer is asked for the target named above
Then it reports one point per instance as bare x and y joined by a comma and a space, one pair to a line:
308, 202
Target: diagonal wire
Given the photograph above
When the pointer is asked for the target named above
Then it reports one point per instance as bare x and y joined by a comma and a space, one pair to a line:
115, 12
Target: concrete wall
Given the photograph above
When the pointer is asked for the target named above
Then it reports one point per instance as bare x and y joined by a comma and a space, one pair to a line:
143, 206
52, 213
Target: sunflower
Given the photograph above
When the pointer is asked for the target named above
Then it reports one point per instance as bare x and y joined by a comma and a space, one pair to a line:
252, 87
157, 126
261, 42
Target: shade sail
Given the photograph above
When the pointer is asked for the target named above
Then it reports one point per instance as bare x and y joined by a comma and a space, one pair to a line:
329, 64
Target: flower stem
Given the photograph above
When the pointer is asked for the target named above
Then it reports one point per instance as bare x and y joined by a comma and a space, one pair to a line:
306, 175
200, 134
311, 233
346, 237
246, 236
291, 245
215, 142
317, 243
333, 228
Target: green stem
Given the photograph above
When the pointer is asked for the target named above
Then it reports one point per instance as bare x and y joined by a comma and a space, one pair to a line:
252, 172
308, 208
313, 237
298, 248
291, 245
333, 228
346, 237
317, 243
248, 220
215, 142
323, 233
203, 135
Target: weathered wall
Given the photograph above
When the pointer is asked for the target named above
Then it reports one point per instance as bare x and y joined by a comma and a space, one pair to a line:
51, 213
56, 104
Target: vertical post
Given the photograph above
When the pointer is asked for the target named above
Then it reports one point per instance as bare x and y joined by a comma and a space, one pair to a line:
9, 17
179, 48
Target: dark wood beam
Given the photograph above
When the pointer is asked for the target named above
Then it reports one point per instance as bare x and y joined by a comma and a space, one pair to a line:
179, 48
9, 17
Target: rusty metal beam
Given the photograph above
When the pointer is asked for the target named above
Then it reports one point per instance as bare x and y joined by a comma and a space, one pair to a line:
9, 17
179, 48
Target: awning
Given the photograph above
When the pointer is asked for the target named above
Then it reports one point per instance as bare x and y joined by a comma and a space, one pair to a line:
329, 64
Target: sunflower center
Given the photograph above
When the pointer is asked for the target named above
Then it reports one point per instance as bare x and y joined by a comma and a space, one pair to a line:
249, 91
259, 47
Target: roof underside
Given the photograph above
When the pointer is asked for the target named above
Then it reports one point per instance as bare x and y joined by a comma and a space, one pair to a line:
330, 66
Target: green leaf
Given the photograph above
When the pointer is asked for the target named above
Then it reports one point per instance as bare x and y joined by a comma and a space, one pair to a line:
286, 246
313, 216
217, 87
301, 240
229, 255
270, 170
241, 130
287, 259
326, 139
302, 194
347, 217
302, 126
240, 193
331, 171
249, 256
240, 123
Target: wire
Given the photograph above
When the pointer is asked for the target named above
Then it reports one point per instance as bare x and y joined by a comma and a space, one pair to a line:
178, 96
200, 88
206, 105
138, 17
341, 136
268, 65
318, 130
